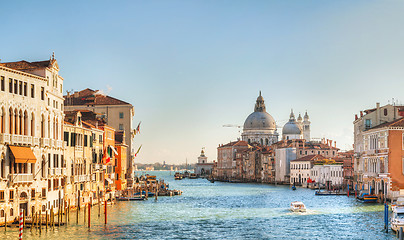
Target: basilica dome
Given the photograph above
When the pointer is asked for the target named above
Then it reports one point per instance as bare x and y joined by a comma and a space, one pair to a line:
259, 121
291, 128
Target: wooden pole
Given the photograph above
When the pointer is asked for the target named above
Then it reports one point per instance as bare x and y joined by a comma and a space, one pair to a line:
46, 220
66, 214
99, 205
53, 219
77, 215
84, 213
5, 221
89, 215
40, 221
105, 211
23, 220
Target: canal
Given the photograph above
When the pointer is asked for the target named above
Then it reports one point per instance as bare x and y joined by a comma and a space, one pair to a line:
226, 211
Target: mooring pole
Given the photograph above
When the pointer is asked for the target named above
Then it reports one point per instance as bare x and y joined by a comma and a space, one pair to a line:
105, 211
89, 215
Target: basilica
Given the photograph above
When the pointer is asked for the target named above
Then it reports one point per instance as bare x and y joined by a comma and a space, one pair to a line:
261, 127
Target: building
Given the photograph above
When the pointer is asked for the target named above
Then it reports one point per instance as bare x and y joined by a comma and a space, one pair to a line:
203, 167
328, 175
283, 157
32, 169
300, 169
109, 157
226, 159
117, 113
296, 129
377, 150
82, 153
120, 163
260, 126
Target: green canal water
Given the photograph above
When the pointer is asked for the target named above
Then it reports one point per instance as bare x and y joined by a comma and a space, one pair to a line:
226, 211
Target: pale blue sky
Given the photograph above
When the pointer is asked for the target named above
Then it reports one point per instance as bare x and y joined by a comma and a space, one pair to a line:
189, 67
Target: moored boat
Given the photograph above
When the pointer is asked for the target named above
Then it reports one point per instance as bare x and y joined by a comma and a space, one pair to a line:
397, 218
131, 198
367, 198
297, 207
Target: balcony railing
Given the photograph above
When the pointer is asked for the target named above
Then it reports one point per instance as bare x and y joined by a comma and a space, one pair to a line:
4, 138
45, 142
81, 178
79, 148
21, 177
35, 141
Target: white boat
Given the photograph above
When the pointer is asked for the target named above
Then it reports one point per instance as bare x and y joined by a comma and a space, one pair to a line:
297, 207
397, 219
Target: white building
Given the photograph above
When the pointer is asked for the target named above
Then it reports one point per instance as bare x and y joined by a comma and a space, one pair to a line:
31, 138
203, 167
283, 157
296, 129
328, 174
300, 169
260, 126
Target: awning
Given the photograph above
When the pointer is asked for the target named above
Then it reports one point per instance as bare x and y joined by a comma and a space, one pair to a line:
113, 149
22, 154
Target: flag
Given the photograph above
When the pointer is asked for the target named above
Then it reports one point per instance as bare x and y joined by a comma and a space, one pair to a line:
138, 150
106, 157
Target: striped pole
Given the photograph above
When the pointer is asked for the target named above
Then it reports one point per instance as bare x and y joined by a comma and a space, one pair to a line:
21, 224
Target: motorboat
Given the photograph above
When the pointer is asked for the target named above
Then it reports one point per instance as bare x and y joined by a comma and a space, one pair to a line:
367, 198
133, 198
297, 207
397, 218
178, 176
293, 187
193, 176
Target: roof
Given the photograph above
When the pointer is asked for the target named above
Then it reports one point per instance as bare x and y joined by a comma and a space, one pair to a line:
91, 97
395, 123
310, 158
25, 65
236, 143
302, 144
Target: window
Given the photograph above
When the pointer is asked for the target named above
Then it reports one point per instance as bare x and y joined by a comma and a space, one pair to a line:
91, 141
33, 193
121, 128
10, 85
25, 89
11, 212
49, 185
368, 123
43, 193
100, 138
42, 93
49, 160
32, 90
2, 83
15, 86
385, 112
11, 195
121, 115
2, 196
66, 138
85, 140
20, 88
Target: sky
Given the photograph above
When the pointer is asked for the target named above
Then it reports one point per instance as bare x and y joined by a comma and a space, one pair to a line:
190, 67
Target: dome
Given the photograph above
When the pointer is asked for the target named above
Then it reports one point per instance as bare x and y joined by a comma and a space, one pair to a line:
291, 128
259, 121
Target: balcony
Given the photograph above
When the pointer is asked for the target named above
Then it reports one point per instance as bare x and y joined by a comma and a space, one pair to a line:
44, 142
35, 141
4, 138
60, 143
81, 178
79, 148
96, 166
21, 178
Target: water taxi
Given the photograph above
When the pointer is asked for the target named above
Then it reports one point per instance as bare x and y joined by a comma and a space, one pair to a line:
178, 176
367, 198
397, 219
297, 207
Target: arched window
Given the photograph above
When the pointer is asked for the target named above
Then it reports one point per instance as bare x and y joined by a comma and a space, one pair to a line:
11, 212
385, 112
10, 121
42, 126
2, 213
32, 125
16, 121
25, 123
20, 122
43, 165
3, 167
2, 123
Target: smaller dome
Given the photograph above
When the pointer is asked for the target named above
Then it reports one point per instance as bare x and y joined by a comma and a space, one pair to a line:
291, 128
299, 118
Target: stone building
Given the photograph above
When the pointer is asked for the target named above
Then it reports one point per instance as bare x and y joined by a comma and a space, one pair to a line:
32, 168
296, 129
120, 163
260, 126
300, 169
226, 157
117, 113
203, 167
83, 154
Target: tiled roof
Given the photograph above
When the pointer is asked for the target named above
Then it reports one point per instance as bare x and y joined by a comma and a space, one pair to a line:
91, 97
236, 143
24, 65
395, 123
310, 158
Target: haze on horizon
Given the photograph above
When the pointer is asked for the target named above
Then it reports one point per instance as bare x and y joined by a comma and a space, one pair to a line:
189, 67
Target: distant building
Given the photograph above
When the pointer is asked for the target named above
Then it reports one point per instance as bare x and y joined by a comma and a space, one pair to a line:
117, 113
226, 155
296, 129
203, 167
328, 175
300, 169
260, 126
283, 157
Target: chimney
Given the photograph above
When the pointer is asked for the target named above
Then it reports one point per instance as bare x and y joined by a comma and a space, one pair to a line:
335, 143
361, 114
377, 105
356, 116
